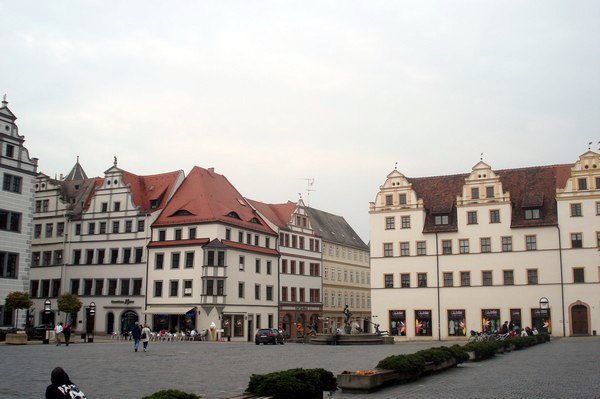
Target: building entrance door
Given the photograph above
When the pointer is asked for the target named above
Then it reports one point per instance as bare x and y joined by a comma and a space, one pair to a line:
579, 320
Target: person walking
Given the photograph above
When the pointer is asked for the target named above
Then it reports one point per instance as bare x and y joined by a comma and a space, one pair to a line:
58, 330
145, 336
67, 333
136, 333
61, 386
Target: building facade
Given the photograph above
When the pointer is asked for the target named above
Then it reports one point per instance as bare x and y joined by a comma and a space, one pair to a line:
452, 254
300, 280
346, 272
17, 171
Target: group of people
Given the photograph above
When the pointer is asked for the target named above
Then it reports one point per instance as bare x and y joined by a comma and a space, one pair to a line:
64, 331
140, 333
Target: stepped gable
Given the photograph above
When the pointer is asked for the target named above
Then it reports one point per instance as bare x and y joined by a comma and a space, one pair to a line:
146, 189
278, 214
528, 187
206, 196
334, 228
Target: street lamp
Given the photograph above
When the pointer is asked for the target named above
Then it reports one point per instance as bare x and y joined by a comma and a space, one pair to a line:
91, 323
47, 311
544, 303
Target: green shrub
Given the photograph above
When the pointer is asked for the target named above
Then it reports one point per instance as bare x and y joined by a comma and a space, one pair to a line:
458, 352
546, 337
293, 383
172, 394
483, 350
403, 363
435, 355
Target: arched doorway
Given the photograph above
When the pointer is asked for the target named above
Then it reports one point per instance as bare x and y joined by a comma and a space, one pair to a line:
579, 319
128, 319
110, 322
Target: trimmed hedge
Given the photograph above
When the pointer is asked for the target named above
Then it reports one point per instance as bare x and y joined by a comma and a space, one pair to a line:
172, 394
403, 363
293, 383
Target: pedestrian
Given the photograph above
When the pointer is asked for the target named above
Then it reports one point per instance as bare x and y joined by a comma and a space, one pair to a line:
67, 333
145, 336
61, 386
58, 330
504, 328
136, 333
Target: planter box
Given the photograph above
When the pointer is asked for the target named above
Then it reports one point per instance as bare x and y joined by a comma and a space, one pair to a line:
354, 383
434, 368
20, 338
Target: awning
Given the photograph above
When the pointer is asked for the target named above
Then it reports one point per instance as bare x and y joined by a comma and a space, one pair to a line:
169, 310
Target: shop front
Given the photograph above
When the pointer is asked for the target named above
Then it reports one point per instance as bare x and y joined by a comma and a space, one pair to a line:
540, 319
423, 323
490, 320
515, 318
457, 326
398, 323
173, 319
296, 321
232, 326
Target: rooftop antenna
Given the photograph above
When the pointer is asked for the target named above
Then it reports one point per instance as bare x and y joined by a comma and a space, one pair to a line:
309, 182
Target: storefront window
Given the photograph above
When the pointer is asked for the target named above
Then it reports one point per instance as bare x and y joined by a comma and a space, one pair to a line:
160, 322
456, 323
423, 323
226, 325
490, 320
540, 319
238, 330
515, 318
398, 322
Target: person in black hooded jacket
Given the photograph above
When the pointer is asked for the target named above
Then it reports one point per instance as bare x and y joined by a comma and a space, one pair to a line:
61, 386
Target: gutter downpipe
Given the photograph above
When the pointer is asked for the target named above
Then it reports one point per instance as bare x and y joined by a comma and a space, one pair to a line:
437, 265
562, 284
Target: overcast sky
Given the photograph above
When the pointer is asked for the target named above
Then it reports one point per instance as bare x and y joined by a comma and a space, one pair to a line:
268, 93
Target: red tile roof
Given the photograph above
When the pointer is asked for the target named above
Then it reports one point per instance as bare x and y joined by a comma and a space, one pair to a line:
152, 187
179, 243
528, 187
250, 248
278, 214
205, 197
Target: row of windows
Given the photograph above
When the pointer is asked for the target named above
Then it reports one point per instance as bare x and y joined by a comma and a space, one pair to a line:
582, 183
336, 300
9, 264
98, 256
464, 279
10, 221
340, 252
257, 291
12, 183
576, 209
96, 287
314, 268
299, 242
103, 226
348, 276
49, 230
299, 294
49, 288
389, 199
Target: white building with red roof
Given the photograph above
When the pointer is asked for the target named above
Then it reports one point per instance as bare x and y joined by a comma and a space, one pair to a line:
212, 262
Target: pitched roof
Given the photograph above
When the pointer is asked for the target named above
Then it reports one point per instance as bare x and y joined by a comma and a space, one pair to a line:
76, 173
206, 196
278, 214
146, 189
528, 187
334, 228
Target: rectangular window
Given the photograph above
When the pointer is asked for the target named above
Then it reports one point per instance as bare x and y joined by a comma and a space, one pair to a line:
405, 280
241, 290
405, 222
220, 287
138, 255
75, 286
472, 217
494, 216
174, 288
293, 294
37, 231
242, 260
60, 229
87, 286
100, 257
89, 256
35, 258
284, 264
178, 234
576, 210
47, 258
465, 279
128, 226
112, 287
50, 227
268, 243
38, 206
302, 297
58, 257
55, 287
270, 267
509, 278
158, 285
76, 256
447, 247
530, 243
12, 183
126, 255
463, 246
506, 244
422, 279
533, 213
33, 288
402, 199
486, 277
189, 260
576, 240
11, 221
192, 233
269, 293
228, 234
489, 192
249, 239
187, 287
421, 248
104, 207
578, 275
45, 205
117, 206
240, 236
140, 225
210, 258
474, 192
221, 258
532, 276
175, 260
389, 223
448, 279
102, 228
78, 229
159, 261
284, 294
582, 184
98, 286
210, 285
125, 286
257, 291
9, 262
115, 227
257, 266
440, 220
388, 249
389, 200
162, 235
388, 281
486, 244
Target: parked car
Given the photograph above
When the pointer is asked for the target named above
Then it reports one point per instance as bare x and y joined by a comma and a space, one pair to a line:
268, 336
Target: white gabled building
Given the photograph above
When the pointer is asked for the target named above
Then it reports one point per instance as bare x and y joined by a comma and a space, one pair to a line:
17, 172
451, 254
212, 262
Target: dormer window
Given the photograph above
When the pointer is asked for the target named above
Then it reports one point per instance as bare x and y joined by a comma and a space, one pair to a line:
533, 213
402, 199
389, 199
474, 192
182, 212
582, 184
254, 220
153, 204
440, 220
233, 215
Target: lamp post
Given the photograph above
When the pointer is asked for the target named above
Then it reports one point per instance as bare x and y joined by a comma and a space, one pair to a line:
91, 322
47, 311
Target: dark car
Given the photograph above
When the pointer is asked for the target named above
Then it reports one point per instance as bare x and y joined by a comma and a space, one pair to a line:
268, 336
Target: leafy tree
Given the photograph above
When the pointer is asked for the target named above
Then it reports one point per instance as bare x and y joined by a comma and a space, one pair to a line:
18, 300
69, 303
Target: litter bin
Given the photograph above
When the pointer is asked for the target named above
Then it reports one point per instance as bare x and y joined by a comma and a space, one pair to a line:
83, 337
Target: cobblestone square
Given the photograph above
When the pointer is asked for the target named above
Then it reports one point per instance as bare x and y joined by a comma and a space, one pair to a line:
563, 368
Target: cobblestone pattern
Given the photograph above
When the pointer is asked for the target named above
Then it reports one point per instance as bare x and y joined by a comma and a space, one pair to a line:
563, 368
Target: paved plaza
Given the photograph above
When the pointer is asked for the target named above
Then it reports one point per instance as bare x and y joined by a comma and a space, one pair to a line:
563, 368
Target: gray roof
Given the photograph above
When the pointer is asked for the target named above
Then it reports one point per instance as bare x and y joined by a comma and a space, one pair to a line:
77, 173
334, 228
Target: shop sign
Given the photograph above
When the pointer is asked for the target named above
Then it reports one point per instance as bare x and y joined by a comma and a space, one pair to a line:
543, 313
123, 301
398, 314
423, 314
491, 313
